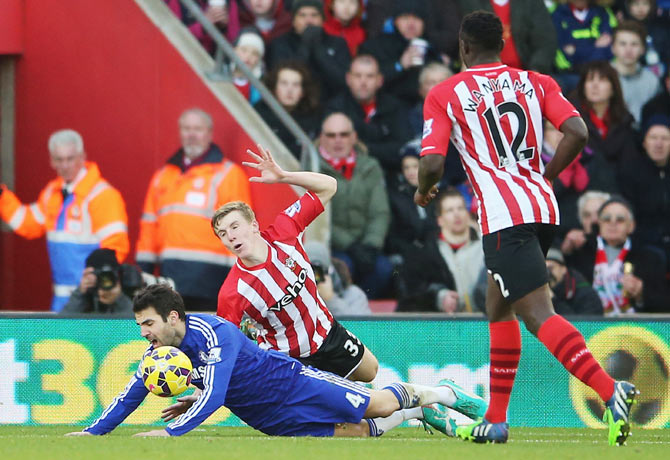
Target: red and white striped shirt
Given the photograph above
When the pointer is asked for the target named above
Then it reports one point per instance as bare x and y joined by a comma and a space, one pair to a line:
494, 116
280, 294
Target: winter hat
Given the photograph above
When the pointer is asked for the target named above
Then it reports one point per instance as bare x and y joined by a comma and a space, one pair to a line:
414, 7
101, 257
617, 199
556, 255
297, 4
249, 37
656, 119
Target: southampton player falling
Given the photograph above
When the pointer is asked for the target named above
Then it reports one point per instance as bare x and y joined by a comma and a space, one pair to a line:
494, 115
268, 390
272, 284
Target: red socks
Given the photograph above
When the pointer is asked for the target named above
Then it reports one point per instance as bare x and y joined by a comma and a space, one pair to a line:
505, 354
567, 344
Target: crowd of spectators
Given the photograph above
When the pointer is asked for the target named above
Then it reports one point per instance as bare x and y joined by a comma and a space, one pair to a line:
353, 74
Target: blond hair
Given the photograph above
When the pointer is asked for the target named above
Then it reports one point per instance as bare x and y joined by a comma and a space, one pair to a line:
227, 208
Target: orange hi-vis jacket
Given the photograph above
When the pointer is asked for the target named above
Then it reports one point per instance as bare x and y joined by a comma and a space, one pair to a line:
93, 216
175, 231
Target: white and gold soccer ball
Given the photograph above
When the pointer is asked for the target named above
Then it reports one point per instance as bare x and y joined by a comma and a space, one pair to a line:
166, 371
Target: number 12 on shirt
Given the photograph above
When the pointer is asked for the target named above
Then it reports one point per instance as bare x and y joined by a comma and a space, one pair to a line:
507, 154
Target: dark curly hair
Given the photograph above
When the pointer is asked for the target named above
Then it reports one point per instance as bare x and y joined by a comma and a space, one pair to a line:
162, 297
482, 29
310, 90
603, 69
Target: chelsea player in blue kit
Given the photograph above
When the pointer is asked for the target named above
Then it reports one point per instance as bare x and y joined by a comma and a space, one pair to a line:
271, 392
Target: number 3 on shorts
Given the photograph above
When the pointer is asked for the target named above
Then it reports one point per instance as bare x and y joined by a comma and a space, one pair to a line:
351, 347
354, 399
498, 279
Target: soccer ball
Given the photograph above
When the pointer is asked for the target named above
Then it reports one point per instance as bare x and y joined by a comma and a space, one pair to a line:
166, 371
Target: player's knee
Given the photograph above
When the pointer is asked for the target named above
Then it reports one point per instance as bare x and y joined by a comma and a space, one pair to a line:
369, 371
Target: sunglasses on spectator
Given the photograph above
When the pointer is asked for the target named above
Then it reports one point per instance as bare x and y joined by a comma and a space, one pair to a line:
334, 135
619, 219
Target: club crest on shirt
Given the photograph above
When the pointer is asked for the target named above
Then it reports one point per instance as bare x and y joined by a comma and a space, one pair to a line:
427, 127
290, 263
203, 356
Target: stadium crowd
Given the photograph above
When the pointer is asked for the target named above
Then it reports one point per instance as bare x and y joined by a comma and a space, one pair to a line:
353, 74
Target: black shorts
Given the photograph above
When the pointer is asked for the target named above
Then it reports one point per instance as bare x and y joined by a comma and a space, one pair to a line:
515, 257
340, 353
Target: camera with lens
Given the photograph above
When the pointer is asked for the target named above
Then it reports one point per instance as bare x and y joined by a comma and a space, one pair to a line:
106, 277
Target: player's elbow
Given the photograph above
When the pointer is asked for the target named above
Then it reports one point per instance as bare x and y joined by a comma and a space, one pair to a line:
576, 129
329, 189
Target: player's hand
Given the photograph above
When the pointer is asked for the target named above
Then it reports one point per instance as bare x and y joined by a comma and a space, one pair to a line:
422, 199
271, 173
88, 280
79, 433
178, 408
153, 433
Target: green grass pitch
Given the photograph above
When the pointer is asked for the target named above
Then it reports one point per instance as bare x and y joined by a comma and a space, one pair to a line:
48, 442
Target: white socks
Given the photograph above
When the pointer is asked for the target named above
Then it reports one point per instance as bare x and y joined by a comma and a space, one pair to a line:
380, 425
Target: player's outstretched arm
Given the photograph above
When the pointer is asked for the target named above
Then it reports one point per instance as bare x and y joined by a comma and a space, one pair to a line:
575, 136
431, 168
321, 185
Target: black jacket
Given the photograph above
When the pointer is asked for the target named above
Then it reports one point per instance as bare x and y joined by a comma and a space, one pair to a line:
423, 274
388, 49
648, 265
408, 227
605, 158
647, 187
308, 121
575, 296
384, 134
326, 56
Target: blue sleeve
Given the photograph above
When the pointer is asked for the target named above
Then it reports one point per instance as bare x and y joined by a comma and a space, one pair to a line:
220, 365
122, 406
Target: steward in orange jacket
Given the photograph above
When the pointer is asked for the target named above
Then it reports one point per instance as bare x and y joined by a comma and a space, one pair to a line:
175, 233
79, 211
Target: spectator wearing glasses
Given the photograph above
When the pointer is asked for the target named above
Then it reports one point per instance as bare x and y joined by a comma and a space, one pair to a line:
360, 213
628, 277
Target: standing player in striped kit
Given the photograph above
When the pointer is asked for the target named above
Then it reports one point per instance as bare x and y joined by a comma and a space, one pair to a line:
494, 114
272, 283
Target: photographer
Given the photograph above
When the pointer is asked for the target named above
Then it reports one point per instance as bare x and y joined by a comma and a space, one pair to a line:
100, 290
342, 297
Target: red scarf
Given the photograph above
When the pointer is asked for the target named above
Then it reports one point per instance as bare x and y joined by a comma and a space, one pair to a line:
607, 280
601, 124
370, 110
344, 165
